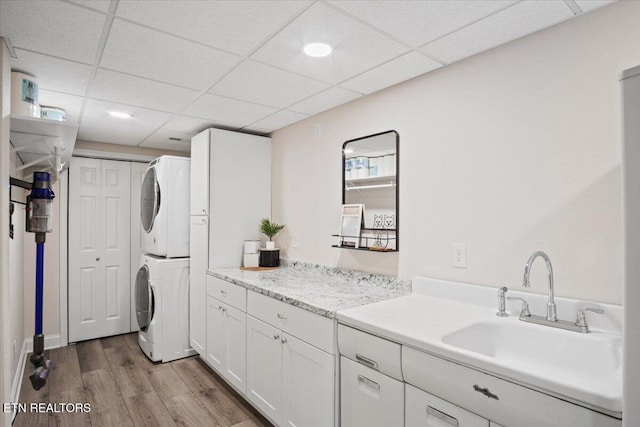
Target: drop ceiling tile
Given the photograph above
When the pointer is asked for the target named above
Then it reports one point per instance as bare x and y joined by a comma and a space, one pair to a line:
105, 131
325, 100
226, 111
276, 121
101, 5
356, 47
53, 73
58, 28
510, 24
266, 85
71, 104
235, 26
161, 139
589, 5
185, 124
99, 110
160, 56
125, 89
419, 22
404, 68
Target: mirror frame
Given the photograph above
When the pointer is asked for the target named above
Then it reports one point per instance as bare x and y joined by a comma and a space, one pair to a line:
397, 135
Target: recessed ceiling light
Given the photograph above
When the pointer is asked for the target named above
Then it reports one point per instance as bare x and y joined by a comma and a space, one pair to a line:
317, 50
119, 115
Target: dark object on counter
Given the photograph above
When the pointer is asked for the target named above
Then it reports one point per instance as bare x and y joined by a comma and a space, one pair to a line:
269, 257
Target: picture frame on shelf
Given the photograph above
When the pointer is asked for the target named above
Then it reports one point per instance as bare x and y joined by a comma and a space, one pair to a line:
351, 223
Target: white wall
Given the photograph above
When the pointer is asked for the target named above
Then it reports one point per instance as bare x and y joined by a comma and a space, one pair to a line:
510, 151
10, 292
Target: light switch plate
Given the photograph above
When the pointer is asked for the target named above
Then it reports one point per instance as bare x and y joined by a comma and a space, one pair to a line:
459, 255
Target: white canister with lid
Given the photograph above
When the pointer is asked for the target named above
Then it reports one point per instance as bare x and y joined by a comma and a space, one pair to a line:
24, 95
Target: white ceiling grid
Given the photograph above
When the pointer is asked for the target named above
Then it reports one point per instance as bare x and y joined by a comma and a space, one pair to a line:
179, 67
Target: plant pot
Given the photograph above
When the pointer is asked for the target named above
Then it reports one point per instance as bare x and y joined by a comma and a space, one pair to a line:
270, 258
270, 245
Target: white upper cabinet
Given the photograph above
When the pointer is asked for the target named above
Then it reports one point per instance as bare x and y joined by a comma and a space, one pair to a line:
200, 174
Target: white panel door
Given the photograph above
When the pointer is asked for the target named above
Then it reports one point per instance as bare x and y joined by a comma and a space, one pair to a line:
307, 384
99, 249
137, 173
198, 249
216, 335
236, 348
264, 368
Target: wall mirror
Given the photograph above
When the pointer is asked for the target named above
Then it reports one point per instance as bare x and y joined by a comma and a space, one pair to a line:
370, 181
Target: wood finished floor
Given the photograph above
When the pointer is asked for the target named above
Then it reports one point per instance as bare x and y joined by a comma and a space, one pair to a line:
125, 388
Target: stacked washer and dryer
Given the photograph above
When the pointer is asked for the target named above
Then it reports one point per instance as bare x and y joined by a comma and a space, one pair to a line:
162, 282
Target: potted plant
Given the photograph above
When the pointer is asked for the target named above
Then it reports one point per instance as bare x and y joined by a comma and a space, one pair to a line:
270, 256
270, 229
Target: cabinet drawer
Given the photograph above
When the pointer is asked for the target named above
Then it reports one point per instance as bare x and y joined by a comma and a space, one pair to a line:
493, 398
227, 292
312, 328
424, 409
374, 352
369, 398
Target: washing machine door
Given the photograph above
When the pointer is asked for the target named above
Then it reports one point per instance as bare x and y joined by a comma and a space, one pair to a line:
149, 199
145, 301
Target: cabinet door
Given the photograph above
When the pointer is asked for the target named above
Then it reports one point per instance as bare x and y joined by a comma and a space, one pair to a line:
198, 248
307, 384
199, 204
264, 368
369, 398
236, 347
216, 335
426, 410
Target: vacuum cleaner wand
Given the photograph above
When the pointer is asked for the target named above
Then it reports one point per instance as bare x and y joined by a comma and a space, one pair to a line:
39, 221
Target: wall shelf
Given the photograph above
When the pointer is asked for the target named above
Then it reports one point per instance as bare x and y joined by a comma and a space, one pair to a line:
44, 143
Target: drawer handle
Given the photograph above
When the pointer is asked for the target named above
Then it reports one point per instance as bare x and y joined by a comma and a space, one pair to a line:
367, 381
366, 361
442, 416
281, 316
224, 293
276, 336
486, 392
283, 340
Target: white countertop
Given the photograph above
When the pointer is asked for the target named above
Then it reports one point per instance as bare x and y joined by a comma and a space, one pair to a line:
422, 321
318, 289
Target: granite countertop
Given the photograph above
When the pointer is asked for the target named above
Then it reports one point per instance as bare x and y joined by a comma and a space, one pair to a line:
318, 289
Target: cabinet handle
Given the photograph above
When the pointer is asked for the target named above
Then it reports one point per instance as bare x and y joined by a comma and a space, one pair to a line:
222, 308
442, 416
224, 293
276, 336
485, 391
97, 259
219, 307
204, 211
281, 316
367, 381
366, 361
283, 340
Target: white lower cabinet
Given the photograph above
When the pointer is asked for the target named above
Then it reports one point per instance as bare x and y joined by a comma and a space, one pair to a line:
426, 410
264, 368
369, 398
226, 342
290, 381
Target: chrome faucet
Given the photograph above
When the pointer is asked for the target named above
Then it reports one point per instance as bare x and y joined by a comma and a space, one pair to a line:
551, 304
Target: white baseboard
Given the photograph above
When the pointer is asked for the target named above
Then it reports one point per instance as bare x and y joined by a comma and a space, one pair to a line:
17, 377
50, 341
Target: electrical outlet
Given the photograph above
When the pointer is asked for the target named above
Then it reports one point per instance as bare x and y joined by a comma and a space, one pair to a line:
459, 255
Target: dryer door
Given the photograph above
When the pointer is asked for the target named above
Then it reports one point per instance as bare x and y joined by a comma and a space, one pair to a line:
149, 199
145, 301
